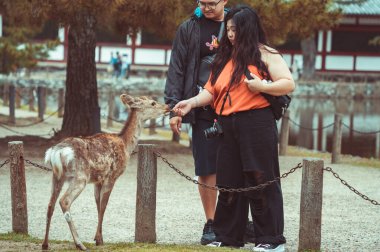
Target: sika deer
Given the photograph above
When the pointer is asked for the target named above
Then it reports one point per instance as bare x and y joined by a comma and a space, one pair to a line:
98, 159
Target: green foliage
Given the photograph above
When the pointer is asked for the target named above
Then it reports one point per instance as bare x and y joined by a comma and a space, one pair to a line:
17, 51
159, 17
16, 47
300, 19
310, 16
281, 18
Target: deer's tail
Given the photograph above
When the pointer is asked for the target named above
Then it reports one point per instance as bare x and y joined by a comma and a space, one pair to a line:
58, 157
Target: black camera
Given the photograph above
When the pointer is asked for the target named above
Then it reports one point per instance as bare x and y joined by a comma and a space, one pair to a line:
215, 130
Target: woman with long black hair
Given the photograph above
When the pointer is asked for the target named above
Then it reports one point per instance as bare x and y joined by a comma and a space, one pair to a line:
248, 154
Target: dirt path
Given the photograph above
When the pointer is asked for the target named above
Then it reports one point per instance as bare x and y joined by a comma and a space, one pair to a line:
348, 222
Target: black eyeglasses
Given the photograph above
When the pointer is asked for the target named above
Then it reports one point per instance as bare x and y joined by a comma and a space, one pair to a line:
211, 5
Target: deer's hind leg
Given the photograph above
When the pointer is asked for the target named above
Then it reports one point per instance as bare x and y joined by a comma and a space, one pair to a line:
56, 189
75, 188
104, 193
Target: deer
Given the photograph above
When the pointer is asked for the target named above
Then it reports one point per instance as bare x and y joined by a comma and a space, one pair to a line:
99, 159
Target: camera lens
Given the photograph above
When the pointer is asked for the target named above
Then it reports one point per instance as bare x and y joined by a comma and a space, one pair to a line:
210, 132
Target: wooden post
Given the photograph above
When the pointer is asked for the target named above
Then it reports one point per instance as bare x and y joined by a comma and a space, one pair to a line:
320, 132
61, 102
41, 96
311, 205
145, 225
163, 121
284, 135
12, 93
152, 126
31, 99
18, 97
18, 188
337, 139
111, 107
6, 95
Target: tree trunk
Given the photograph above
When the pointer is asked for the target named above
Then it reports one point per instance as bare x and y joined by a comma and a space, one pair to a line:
309, 51
82, 112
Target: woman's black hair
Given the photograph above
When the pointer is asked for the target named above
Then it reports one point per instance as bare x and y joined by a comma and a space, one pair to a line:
249, 37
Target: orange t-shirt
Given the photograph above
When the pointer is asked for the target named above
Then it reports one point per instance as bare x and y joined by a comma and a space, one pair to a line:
242, 99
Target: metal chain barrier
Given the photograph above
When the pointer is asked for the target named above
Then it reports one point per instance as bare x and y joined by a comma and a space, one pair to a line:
331, 124
35, 123
216, 188
299, 125
37, 165
360, 132
5, 162
51, 132
336, 175
253, 188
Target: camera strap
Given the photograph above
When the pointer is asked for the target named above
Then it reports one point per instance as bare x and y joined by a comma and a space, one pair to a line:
225, 99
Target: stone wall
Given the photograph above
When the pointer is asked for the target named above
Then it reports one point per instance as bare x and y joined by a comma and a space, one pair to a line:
337, 90
155, 86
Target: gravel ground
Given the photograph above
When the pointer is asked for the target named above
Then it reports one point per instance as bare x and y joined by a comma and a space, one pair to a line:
349, 223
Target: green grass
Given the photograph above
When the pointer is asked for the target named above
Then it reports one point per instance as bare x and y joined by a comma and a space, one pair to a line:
69, 245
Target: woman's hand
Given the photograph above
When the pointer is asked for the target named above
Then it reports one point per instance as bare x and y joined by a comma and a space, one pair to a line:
183, 107
256, 84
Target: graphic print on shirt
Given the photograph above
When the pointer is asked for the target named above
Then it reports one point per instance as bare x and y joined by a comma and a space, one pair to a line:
214, 43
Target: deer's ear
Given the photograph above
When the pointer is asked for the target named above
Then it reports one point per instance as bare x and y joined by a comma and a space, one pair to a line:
126, 99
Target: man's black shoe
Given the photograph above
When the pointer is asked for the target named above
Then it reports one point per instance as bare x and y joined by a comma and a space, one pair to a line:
208, 235
249, 236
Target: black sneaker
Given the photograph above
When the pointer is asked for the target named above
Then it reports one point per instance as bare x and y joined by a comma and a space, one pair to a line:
269, 248
249, 236
208, 235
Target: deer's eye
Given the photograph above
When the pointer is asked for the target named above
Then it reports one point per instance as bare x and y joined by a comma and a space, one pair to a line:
154, 103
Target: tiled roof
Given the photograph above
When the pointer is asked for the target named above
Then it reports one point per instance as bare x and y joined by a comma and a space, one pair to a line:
364, 7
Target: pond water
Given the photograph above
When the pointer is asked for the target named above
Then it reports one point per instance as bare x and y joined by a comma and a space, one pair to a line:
311, 125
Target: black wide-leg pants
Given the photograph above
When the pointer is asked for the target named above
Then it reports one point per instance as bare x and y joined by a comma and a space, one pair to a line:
248, 156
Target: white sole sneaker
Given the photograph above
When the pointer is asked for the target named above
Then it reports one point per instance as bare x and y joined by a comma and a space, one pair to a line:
279, 248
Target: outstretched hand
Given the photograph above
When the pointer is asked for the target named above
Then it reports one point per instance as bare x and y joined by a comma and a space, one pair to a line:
182, 107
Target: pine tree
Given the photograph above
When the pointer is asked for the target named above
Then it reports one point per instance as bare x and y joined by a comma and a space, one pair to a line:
16, 49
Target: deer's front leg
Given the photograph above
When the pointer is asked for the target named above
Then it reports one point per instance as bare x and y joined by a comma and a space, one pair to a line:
75, 188
105, 193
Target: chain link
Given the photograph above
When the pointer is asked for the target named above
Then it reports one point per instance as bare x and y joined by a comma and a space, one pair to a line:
37, 165
216, 188
336, 175
306, 128
5, 162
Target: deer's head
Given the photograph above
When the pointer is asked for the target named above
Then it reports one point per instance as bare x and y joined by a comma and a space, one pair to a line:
146, 107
